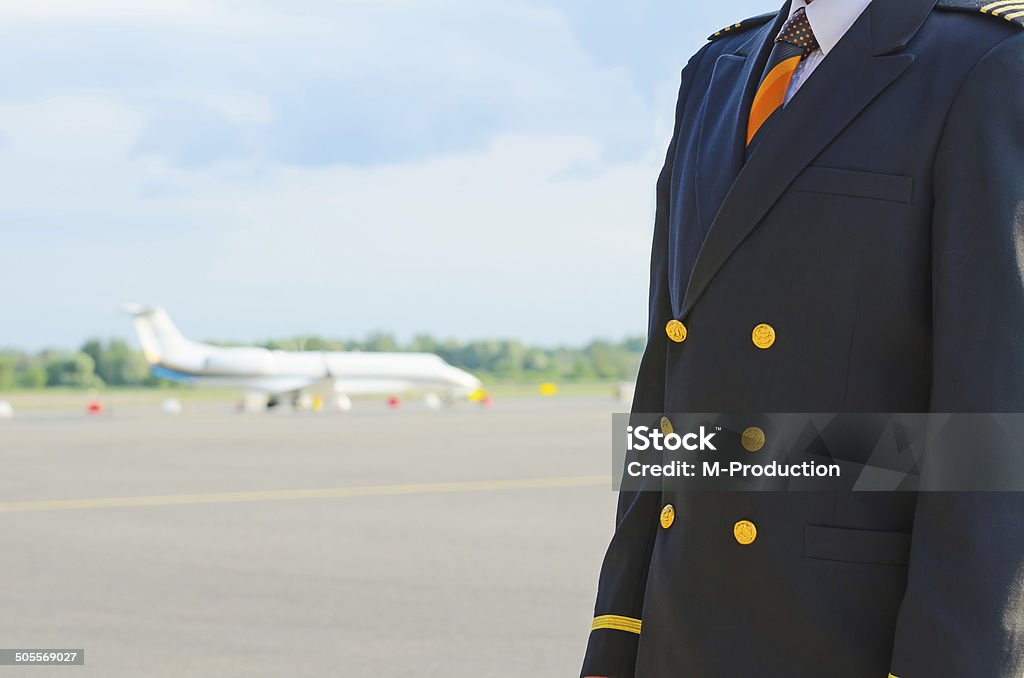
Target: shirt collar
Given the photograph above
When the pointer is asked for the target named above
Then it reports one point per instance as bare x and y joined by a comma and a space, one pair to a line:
830, 19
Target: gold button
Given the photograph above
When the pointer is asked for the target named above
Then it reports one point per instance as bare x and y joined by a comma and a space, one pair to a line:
676, 331
752, 439
745, 532
763, 336
666, 426
668, 516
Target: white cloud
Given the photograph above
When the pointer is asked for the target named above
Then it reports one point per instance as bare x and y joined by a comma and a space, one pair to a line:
63, 10
533, 231
531, 236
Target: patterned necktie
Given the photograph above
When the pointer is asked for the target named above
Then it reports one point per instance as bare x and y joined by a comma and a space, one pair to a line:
794, 44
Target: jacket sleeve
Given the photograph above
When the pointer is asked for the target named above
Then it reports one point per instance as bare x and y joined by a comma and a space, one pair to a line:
615, 632
963, 612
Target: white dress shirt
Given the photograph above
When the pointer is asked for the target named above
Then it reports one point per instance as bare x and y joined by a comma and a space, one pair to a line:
829, 19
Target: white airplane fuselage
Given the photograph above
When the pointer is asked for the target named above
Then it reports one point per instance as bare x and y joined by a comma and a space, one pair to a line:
278, 373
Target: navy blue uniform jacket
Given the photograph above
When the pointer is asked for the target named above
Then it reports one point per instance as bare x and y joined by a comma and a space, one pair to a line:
878, 228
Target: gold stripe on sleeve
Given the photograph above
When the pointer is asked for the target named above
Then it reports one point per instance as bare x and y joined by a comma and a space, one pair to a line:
616, 623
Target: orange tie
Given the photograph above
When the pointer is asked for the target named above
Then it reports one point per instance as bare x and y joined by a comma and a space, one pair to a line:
794, 44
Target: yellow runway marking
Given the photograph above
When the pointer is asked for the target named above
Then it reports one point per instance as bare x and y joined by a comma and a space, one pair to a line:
317, 493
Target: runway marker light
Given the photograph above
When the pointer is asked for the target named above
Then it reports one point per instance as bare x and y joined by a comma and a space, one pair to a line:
548, 389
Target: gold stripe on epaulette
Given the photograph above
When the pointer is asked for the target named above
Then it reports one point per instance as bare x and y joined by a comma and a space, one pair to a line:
993, 5
616, 623
727, 29
1009, 8
1001, 8
724, 30
747, 24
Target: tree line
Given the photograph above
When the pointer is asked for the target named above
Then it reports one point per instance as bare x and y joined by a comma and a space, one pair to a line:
114, 362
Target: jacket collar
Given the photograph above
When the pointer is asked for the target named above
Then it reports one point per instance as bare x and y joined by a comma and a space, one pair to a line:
863, 64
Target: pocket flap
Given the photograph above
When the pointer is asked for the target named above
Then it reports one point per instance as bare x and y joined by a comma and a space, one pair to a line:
891, 187
856, 546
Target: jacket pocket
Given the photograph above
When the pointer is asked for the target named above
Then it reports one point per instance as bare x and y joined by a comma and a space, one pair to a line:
856, 546
891, 187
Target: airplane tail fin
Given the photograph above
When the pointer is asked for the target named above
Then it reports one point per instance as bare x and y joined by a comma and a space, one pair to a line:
157, 333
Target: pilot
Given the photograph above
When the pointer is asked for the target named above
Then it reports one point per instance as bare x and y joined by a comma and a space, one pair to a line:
840, 228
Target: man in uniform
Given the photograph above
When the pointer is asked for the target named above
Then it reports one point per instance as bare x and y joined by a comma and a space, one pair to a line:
840, 228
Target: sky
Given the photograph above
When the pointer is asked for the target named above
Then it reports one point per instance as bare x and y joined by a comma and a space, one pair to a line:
465, 168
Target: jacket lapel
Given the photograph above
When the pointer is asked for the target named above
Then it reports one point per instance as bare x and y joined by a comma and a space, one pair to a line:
723, 125
857, 70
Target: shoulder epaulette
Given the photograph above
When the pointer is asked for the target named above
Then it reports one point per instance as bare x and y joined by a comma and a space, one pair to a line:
746, 24
1011, 10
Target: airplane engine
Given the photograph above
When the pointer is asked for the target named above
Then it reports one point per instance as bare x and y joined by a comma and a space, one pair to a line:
253, 402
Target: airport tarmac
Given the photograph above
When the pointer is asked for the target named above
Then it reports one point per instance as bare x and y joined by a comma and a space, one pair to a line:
460, 543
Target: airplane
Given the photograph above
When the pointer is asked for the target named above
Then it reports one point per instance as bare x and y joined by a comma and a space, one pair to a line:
300, 376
